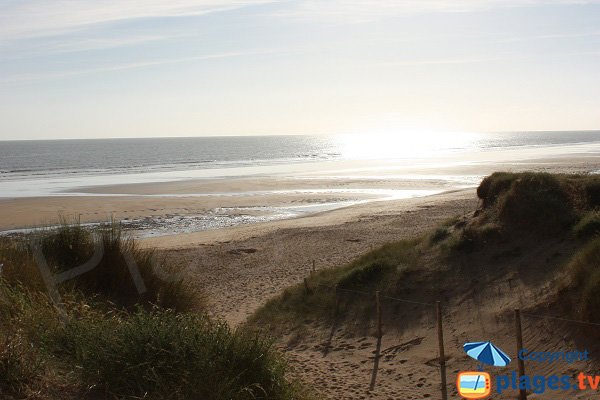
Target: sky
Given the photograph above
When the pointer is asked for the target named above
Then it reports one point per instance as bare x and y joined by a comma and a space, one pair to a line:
148, 68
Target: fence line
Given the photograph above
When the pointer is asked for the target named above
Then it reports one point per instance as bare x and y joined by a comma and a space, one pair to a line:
437, 309
575, 321
379, 326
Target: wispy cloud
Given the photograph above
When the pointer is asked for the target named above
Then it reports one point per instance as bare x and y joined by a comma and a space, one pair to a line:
552, 36
33, 18
73, 44
478, 60
28, 77
364, 10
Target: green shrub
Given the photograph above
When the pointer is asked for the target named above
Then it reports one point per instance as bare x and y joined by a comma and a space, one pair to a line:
584, 273
364, 275
150, 354
465, 241
588, 226
592, 190
159, 354
585, 263
439, 234
71, 245
473, 237
488, 231
20, 366
541, 202
68, 246
491, 187
536, 202
18, 265
112, 279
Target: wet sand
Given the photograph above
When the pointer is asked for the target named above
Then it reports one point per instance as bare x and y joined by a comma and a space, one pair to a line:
264, 196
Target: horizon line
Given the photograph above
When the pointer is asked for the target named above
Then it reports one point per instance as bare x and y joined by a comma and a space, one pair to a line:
294, 134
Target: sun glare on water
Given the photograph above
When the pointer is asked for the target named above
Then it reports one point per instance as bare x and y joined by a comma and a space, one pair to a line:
404, 144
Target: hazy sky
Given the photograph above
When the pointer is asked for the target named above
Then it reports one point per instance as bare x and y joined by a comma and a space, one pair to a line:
132, 68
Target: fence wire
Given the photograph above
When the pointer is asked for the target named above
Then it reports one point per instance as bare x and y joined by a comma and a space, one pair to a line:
408, 324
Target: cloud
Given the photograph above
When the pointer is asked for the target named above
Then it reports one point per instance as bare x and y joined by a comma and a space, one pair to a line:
73, 44
552, 36
365, 10
478, 60
28, 77
33, 18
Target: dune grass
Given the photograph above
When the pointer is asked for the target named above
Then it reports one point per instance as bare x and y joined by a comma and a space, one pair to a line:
518, 211
439, 234
106, 340
531, 204
588, 226
72, 245
381, 269
584, 275
160, 354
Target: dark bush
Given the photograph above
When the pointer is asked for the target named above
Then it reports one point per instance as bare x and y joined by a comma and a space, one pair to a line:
72, 245
592, 190
364, 275
536, 202
588, 226
584, 273
491, 187
160, 355
439, 234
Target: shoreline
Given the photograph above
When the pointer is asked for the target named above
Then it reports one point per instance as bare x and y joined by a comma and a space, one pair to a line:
240, 268
197, 205
337, 217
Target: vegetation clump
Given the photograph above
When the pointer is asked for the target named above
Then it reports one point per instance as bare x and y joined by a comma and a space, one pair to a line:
588, 226
531, 203
106, 340
584, 274
114, 256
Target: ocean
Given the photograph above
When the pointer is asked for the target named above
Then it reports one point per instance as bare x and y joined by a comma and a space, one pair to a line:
304, 174
57, 167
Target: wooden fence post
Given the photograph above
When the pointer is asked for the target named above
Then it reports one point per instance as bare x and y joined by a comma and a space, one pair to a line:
379, 336
306, 286
521, 363
336, 311
440, 331
337, 301
379, 327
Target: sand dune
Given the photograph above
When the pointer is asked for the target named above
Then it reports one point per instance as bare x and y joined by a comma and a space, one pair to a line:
241, 268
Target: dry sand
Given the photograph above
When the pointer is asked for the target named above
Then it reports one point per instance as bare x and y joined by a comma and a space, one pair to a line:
241, 268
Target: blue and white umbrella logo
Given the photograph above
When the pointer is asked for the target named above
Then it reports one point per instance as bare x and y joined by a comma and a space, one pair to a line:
487, 353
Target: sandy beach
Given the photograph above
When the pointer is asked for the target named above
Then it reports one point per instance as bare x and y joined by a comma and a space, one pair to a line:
263, 198
240, 267
254, 263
